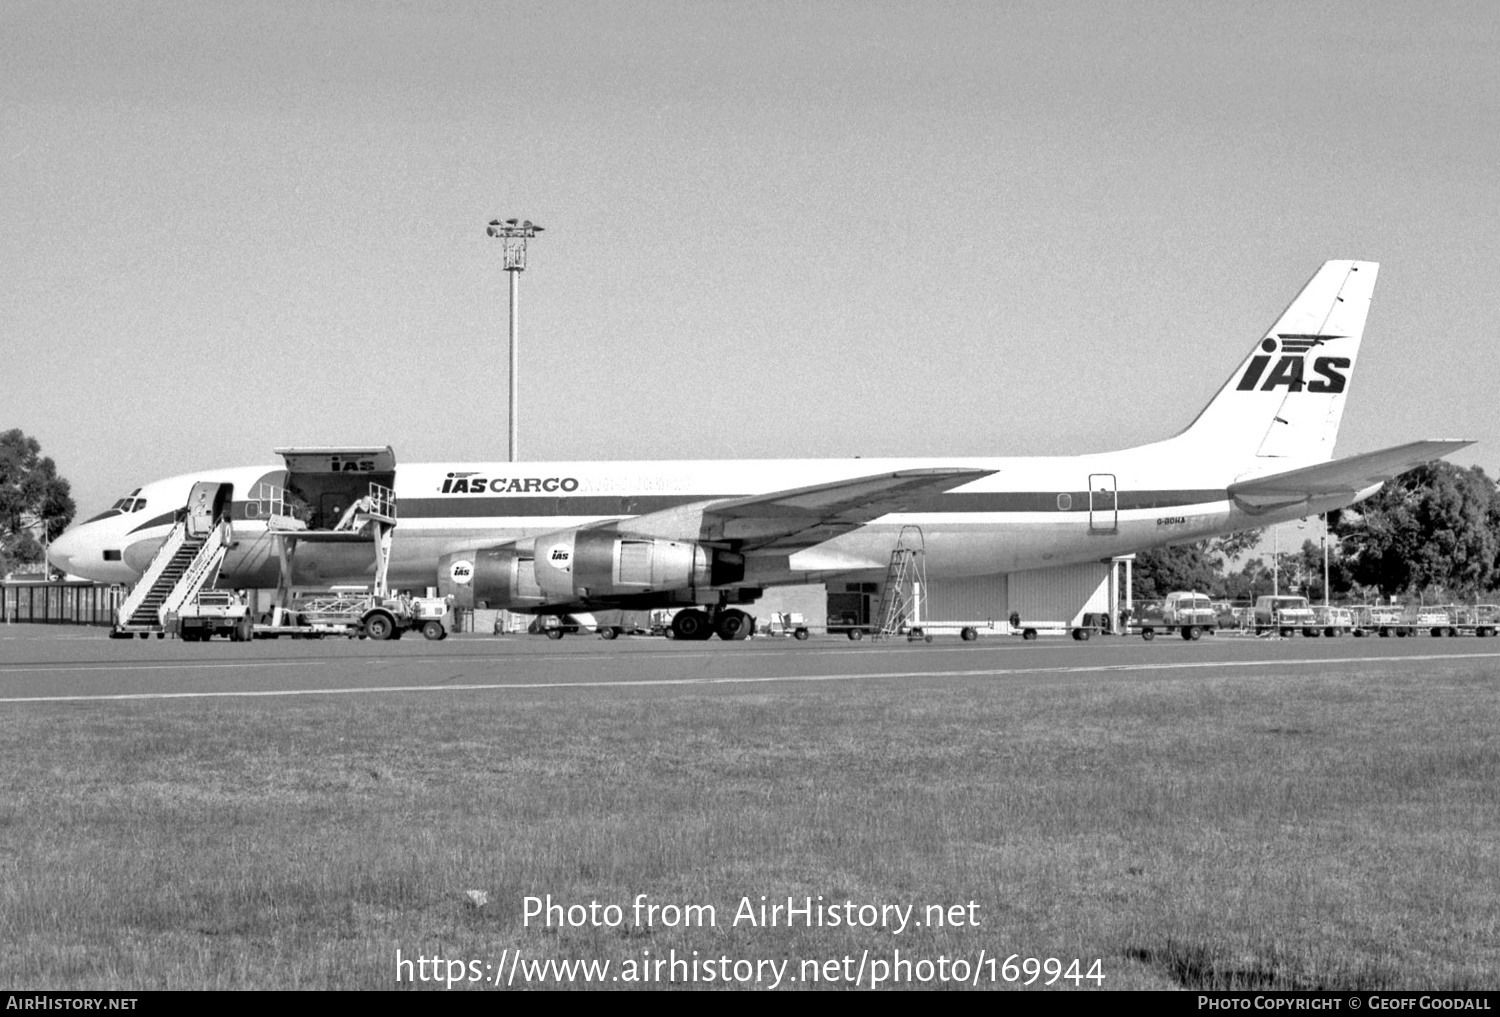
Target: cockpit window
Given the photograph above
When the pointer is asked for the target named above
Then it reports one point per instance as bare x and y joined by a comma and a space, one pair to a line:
129, 503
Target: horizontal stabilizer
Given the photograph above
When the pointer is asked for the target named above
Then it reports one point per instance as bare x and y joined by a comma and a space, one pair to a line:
1341, 477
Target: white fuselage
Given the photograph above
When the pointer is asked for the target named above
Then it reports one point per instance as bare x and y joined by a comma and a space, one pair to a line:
1031, 512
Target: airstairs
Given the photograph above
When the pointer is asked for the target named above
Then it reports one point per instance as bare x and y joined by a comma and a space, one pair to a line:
184, 565
900, 608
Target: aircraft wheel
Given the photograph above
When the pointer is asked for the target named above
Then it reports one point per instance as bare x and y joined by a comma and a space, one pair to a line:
692, 624
968, 634
433, 630
733, 625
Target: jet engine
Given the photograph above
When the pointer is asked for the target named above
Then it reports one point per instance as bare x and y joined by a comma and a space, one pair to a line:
500, 577
600, 564
597, 566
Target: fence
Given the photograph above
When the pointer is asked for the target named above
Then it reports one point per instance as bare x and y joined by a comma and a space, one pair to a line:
59, 603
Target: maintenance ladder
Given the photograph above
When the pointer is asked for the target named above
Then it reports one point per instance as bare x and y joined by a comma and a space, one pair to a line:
905, 583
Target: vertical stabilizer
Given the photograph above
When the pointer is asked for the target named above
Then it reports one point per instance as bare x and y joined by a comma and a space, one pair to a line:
1282, 406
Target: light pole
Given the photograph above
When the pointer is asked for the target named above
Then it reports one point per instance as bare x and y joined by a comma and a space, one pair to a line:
1325, 559
514, 234
1340, 541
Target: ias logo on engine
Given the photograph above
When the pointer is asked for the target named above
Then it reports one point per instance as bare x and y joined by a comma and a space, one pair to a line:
461, 572
1292, 351
560, 557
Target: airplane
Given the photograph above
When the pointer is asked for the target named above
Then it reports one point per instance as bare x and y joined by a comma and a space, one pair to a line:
711, 536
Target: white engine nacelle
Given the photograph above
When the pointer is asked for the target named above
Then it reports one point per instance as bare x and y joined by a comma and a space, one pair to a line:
596, 566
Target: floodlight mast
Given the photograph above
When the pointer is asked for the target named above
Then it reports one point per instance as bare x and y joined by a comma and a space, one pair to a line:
513, 234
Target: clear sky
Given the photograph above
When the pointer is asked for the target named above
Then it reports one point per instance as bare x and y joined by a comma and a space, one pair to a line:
772, 229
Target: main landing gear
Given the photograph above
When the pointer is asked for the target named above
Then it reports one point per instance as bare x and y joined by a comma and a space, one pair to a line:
697, 624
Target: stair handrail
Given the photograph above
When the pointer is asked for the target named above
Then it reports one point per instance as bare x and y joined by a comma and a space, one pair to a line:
203, 568
142, 589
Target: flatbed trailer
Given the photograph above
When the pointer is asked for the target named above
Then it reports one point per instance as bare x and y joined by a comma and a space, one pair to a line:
355, 615
1189, 631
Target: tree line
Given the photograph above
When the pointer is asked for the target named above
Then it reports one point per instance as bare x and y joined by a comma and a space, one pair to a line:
36, 504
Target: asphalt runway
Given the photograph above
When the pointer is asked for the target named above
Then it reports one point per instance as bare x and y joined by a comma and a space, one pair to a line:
40, 663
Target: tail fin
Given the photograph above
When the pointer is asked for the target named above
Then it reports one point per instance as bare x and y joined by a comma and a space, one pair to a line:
1282, 406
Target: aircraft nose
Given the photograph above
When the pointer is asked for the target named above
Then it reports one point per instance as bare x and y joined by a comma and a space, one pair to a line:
64, 550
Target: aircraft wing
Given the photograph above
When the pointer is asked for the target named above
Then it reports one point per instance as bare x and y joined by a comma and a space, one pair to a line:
799, 517
1342, 476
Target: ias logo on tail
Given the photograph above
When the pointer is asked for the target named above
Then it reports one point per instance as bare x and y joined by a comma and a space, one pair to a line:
1291, 353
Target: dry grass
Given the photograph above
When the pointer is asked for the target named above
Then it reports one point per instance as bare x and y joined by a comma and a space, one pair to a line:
1314, 831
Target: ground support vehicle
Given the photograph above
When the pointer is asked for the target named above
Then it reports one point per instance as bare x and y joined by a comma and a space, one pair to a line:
1187, 614
1482, 620
1435, 621
613, 624
555, 627
1081, 632
968, 631
1285, 616
913, 633
1374, 619
356, 614
786, 623
1334, 621
212, 613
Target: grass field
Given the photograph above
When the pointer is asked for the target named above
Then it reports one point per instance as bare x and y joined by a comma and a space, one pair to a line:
1339, 831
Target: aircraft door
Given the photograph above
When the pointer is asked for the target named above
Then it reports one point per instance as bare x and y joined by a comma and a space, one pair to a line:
205, 507
1104, 503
